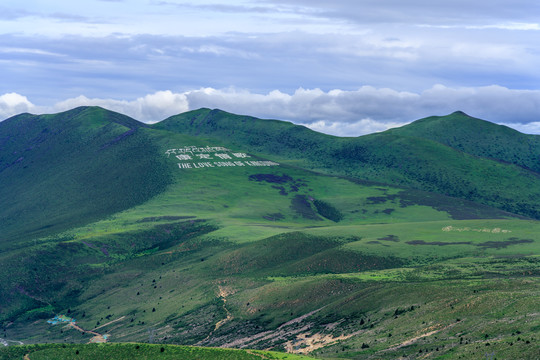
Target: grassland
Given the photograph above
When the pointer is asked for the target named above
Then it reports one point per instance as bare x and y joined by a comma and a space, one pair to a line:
211, 267
137, 351
454, 155
278, 258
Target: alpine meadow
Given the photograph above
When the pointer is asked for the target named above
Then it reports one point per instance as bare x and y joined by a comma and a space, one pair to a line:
210, 235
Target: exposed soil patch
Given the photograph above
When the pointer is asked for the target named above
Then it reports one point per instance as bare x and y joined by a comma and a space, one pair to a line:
286, 331
308, 342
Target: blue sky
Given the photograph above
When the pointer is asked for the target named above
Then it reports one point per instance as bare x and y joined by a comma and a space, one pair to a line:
345, 67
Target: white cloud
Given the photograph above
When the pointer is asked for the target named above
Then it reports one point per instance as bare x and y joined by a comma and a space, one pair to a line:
13, 104
530, 128
150, 108
362, 127
336, 112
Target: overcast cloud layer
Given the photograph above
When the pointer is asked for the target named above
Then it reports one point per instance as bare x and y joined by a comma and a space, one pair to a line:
345, 67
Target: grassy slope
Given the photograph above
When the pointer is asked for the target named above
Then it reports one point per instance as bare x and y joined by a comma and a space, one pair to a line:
227, 258
477, 172
263, 273
63, 170
479, 138
138, 351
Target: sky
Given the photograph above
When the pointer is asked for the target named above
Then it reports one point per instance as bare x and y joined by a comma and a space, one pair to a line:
343, 67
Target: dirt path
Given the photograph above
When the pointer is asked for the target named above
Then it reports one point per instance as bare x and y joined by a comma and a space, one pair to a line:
77, 327
27, 357
223, 293
110, 322
97, 338
6, 342
416, 338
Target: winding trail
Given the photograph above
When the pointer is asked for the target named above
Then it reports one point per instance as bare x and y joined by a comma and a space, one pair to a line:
416, 338
98, 338
110, 322
223, 292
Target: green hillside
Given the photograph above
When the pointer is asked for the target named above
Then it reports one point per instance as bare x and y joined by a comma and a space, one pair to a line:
64, 170
137, 351
502, 175
243, 247
477, 137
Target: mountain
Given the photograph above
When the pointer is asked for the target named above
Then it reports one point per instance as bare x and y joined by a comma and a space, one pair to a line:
479, 138
60, 171
214, 229
498, 169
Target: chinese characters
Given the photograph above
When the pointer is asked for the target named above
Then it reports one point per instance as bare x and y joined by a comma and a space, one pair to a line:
194, 157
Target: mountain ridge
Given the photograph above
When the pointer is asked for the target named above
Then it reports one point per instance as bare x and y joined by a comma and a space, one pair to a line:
260, 235
478, 137
393, 156
71, 153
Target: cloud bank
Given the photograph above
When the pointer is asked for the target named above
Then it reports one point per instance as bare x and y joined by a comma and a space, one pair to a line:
13, 103
338, 112
234, 54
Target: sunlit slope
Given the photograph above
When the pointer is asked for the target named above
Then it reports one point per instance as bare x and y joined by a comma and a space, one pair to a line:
282, 196
234, 205
59, 171
483, 174
187, 281
244, 248
479, 138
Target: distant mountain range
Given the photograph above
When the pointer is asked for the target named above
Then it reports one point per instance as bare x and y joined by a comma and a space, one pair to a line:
456, 155
215, 229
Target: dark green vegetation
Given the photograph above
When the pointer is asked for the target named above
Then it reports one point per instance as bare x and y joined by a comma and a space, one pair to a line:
60, 171
137, 351
305, 257
456, 155
480, 138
